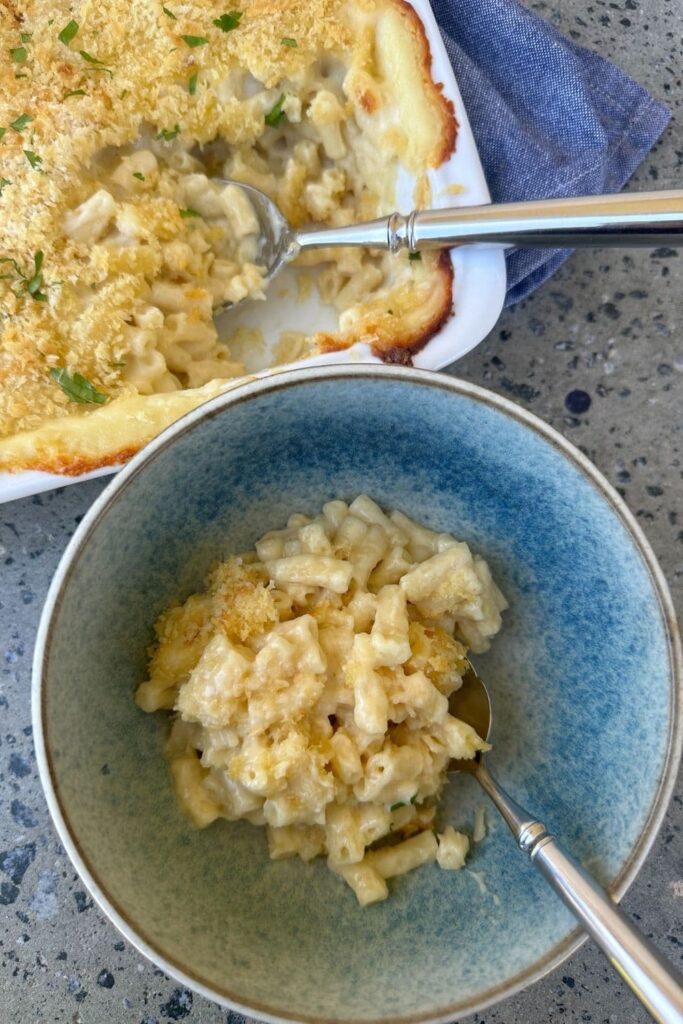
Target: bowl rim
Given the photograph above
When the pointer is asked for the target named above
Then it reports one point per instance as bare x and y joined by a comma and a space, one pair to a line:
253, 389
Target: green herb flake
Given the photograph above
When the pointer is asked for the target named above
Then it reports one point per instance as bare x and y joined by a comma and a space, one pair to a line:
75, 92
76, 387
35, 283
390, 312
33, 158
167, 134
68, 32
169, 14
17, 75
97, 65
25, 36
124, 93
118, 364
412, 256
194, 41
275, 116
227, 22
288, 41
31, 284
19, 54
192, 84
189, 212
20, 122
395, 807
3, 184
413, 798
2, 132
139, 175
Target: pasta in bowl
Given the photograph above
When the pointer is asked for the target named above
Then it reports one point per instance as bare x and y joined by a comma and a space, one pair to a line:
311, 683
285, 940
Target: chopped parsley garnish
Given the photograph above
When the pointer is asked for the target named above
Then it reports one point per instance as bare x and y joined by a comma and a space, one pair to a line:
124, 93
25, 36
3, 183
97, 65
189, 212
68, 32
192, 84
168, 134
31, 284
390, 312
413, 798
76, 387
75, 92
139, 175
169, 14
19, 54
227, 22
20, 122
17, 75
2, 132
395, 807
275, 116
414, 256
288, 41
193, 41
34, 285
33, 158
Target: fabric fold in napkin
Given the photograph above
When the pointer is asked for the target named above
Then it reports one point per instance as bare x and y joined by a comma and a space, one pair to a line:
550, 118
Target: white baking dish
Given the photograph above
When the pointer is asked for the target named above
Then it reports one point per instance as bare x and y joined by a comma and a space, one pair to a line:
479, 288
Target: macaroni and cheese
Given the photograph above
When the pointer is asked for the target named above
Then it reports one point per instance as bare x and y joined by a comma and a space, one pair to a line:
115, 245
310, 686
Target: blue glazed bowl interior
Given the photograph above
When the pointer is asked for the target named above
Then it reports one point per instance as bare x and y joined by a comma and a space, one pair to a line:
580, 677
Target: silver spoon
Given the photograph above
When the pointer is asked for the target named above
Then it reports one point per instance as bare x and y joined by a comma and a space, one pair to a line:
626, 219
656, 983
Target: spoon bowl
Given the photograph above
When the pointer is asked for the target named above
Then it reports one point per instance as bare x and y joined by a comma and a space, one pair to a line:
275, 235
471, 703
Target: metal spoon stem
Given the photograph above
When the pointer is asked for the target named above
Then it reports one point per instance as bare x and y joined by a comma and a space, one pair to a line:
655, 982
626, 219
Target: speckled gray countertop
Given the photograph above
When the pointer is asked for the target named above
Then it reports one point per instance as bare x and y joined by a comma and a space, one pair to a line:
609, 325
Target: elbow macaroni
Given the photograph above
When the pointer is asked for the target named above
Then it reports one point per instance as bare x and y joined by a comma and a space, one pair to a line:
311, 696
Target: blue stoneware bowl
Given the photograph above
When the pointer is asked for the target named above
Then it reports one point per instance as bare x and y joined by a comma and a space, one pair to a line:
584, 676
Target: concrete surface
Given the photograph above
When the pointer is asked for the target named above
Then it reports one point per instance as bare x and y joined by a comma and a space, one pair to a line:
608, 325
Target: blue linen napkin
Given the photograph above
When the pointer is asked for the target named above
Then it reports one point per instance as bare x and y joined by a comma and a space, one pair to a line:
550, 118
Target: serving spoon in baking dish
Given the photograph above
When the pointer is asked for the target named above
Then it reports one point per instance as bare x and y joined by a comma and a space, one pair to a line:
626, 219
656, 983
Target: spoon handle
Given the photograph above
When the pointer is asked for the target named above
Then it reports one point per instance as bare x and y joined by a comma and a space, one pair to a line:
625, 219
656, 983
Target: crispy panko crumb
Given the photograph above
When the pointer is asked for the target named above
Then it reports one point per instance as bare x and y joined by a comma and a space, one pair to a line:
243, 606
